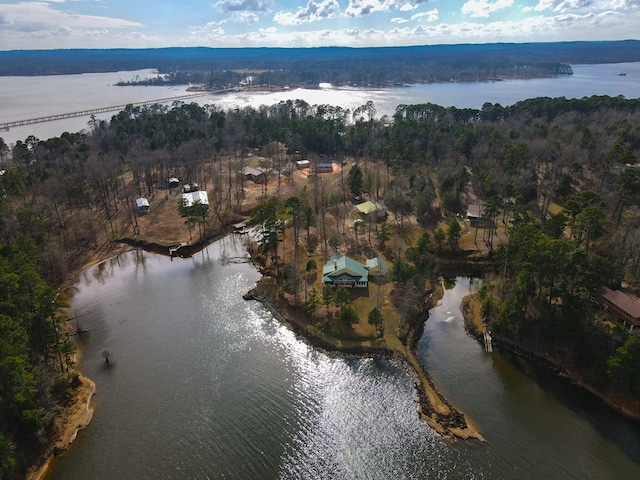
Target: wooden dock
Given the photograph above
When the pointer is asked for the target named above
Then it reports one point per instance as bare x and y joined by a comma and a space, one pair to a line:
487, 339
85, 113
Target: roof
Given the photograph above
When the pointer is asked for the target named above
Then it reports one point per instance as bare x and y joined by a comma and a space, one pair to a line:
376, 265
475, 210
623, 301
256, 172
192, 197
370, 207
340, 264
142, 202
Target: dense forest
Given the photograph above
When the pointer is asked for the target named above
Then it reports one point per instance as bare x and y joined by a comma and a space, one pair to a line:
558, 177
337, 65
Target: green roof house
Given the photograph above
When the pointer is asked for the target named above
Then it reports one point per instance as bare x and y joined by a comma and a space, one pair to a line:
372, 210
344, 271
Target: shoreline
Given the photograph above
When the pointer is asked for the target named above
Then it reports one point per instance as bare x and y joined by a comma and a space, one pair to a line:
432, 406
77, 413
473, 325
75, 416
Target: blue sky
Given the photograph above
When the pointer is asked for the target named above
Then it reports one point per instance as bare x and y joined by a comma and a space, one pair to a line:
49, 24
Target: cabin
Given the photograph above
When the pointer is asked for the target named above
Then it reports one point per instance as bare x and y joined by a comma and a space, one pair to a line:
341, 270
372, 211
173, 182
621, 308
302, 164
324, 166
142, 204
256, 175
376, 266
190, 187
190, 198
474, 213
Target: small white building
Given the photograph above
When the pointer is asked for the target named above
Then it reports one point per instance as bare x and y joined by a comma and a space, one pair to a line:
198, 196
142, 204
302, 164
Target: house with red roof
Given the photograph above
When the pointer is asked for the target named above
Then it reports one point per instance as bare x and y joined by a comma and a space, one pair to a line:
621, 307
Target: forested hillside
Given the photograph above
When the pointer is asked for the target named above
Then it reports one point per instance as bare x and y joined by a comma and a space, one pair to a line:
338, 65
558, 177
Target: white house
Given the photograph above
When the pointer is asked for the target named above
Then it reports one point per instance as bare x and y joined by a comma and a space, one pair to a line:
142, 204
192, 197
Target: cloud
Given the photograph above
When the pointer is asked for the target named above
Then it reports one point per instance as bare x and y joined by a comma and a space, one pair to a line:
35, 16
360, 8
558, 27
244, 17
560, 5
311, 13
400, 20
430, 16
484, 8
243, 5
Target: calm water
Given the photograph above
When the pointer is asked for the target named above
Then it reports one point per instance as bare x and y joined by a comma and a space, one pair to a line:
205, 385
28, 97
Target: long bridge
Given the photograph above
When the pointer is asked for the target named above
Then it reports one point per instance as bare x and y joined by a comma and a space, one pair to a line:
84, 113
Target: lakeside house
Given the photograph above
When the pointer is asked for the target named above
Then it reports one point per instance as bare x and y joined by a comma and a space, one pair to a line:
198, 196
142, 204
341, 270
474, 213
324, 166
256, 175
302, 164
372, 211
621, 307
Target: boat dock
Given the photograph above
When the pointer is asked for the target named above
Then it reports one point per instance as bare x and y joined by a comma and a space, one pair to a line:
487, 339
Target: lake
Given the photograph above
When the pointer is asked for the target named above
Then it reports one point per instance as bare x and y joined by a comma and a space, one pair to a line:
205, 385
30, 97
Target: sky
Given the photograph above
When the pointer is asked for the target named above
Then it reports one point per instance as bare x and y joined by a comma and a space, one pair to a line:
48, 24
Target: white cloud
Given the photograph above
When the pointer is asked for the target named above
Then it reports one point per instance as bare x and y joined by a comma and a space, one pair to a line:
400, 20
561, 5
360, 8
311, 13
243, 5
35, 16
484, 8
558, 27
430, 16
244, 17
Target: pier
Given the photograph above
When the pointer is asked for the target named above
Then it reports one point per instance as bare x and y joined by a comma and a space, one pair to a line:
85, 113
488, 345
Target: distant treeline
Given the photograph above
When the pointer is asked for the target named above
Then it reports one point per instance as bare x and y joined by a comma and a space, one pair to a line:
337, 65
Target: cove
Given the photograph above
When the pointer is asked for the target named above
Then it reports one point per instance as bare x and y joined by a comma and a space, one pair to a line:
205, 385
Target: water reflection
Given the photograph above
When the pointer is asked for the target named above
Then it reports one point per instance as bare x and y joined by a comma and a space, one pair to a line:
535, 423
206, 385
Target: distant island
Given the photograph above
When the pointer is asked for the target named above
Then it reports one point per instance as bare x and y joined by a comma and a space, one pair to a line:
379, 66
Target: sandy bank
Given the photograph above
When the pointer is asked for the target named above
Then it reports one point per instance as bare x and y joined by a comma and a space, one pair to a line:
75, 416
